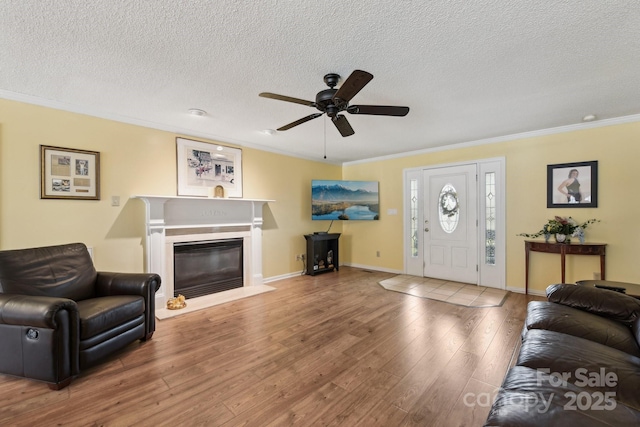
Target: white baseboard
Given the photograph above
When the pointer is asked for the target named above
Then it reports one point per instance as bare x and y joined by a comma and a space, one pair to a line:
531, 292
282, 277
374, 268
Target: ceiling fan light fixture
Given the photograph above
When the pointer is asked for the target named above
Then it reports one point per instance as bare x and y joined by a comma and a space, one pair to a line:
589, 118
197, 112
269, 132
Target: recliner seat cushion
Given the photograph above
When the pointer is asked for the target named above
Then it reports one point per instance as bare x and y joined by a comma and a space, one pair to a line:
560, 318
101, 314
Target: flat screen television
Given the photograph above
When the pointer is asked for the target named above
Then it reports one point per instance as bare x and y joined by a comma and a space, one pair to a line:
344, 200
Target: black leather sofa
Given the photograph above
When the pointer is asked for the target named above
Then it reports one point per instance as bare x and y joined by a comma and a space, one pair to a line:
58, 315
579, 363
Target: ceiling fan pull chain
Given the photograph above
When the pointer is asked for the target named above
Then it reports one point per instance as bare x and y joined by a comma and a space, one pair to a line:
325, 137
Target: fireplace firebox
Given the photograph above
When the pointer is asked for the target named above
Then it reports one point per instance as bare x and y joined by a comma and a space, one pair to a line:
207, 267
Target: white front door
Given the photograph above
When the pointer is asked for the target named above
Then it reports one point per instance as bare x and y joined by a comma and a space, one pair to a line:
450, 223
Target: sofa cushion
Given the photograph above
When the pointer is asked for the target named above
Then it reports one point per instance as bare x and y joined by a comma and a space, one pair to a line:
529, 397
64, 271
603, 302
100, 314
560, 318
593, 367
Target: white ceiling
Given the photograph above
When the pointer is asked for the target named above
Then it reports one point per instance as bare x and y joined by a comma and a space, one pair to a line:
468, 69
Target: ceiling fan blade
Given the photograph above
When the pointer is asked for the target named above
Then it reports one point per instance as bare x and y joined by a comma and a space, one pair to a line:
354, 83
343, 125
287, 98
378, 110
300, 121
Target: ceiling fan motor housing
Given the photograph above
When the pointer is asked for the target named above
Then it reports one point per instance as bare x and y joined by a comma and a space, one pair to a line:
326, 103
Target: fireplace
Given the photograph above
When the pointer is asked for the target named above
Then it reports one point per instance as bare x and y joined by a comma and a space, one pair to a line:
204, 268
172, 222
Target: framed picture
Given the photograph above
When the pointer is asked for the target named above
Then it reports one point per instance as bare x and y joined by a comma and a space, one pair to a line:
345, 200
67, 173
572, 185
202, 167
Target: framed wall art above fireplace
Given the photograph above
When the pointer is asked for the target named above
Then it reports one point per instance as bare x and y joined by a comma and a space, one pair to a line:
203, 166
67, 173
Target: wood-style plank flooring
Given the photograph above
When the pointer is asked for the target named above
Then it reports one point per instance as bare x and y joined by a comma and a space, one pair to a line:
335, 349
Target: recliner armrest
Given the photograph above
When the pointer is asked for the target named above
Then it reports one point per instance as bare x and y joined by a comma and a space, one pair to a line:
603, 302
36, 311
144, 284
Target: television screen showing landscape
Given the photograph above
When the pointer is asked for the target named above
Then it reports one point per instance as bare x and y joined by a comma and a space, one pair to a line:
344, 200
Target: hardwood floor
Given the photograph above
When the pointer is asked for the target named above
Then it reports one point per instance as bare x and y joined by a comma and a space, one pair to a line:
334, 349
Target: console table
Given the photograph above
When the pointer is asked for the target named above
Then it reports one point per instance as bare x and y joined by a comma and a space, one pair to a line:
563, 249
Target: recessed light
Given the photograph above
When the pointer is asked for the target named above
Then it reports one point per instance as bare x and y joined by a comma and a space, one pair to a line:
269, 132
589, 118
197, 112
219, 148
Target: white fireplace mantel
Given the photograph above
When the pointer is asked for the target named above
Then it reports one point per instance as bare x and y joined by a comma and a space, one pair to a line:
194, 216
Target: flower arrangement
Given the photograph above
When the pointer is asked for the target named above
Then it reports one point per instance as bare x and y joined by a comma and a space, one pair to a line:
564, 226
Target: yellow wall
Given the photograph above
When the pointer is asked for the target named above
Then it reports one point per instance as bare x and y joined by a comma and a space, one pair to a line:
615, 148
138, 160
134, 161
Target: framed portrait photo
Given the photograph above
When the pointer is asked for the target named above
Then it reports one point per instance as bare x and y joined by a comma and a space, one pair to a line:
572, 185
205, 169
67, 173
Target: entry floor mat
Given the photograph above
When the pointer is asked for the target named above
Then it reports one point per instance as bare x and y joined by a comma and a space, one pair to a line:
442, 290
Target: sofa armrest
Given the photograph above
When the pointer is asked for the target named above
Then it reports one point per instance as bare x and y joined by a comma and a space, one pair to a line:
143, 284
603, 302
34, 311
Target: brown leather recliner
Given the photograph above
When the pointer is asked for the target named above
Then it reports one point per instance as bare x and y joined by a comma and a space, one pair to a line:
58, 315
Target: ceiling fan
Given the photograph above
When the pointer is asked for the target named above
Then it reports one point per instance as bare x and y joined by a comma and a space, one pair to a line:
333, 101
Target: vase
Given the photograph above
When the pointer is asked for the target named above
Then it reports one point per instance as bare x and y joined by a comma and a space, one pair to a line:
546, 237
560, 238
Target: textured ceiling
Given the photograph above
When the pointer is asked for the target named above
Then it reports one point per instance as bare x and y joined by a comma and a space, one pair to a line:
468, 69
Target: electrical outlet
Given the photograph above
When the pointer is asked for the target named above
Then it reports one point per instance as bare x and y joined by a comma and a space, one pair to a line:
298, 258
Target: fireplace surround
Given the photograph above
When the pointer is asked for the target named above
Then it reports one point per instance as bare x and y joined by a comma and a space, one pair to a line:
176, 220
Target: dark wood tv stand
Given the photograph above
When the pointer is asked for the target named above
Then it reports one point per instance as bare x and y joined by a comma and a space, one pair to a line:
322, 252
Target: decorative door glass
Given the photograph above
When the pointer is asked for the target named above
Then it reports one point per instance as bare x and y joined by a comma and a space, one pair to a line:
449, 209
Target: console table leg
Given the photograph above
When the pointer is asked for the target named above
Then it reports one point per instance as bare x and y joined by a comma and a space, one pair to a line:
526, 270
